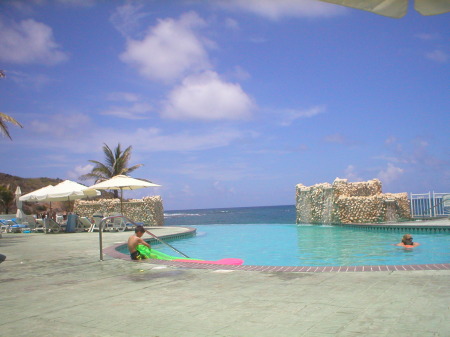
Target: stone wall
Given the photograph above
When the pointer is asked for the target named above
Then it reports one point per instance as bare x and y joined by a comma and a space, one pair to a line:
343, 202
148, 210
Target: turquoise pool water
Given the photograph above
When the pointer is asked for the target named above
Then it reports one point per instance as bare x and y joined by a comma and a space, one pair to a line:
306, 245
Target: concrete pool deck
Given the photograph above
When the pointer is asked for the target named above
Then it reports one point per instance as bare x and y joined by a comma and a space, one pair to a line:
55, 285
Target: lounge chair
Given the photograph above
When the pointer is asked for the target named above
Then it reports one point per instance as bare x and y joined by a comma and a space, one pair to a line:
60, 219
31, 221
40, 225
19, 228
53, 226
116, 224
83, 224
4, 226
98, 217
14, 226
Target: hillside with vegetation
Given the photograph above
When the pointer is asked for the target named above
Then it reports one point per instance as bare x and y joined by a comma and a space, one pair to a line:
27, 185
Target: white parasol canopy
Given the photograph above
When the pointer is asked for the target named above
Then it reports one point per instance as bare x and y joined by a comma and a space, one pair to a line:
69, 190
123, 182
396, 8
36, 195
64, 191
19, 214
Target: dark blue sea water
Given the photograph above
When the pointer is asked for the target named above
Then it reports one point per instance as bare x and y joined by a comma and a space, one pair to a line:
236, 215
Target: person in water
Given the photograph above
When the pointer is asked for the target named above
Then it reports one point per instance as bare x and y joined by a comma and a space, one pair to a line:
135, 240
407, 241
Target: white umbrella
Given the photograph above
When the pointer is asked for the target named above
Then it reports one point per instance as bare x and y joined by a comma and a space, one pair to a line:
68, 190
64, 191
122, 182
36, 195
396, 8
19, 214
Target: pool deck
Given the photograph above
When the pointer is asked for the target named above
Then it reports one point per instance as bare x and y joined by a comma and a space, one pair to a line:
55, 285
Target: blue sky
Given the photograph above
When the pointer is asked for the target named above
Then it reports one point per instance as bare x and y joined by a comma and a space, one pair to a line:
227, 103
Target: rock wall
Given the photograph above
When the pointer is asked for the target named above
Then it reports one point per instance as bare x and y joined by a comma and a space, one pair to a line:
148, 210
343, 202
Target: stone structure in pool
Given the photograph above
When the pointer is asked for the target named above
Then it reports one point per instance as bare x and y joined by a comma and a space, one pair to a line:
344, 203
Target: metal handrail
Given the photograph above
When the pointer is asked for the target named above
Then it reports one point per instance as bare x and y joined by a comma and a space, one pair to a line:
100, 236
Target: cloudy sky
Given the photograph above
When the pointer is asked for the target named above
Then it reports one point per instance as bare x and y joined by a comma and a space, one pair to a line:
227, 103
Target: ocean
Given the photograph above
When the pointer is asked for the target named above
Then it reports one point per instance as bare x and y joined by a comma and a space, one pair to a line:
236, 215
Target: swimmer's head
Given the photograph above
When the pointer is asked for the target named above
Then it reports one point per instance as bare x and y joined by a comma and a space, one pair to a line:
139, 229
407, 239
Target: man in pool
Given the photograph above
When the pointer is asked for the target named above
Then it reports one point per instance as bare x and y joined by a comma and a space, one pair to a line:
407, 241
134, 240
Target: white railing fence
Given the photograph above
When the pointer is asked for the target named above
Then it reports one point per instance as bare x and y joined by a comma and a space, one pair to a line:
430, 205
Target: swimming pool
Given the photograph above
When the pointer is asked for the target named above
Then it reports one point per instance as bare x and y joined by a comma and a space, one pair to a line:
307, 245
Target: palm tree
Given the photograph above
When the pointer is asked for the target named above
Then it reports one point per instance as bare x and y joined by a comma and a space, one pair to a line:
115, 163
5, 118
6, 197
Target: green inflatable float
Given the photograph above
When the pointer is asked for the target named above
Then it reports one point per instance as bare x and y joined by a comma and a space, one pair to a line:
150, 253
154, 254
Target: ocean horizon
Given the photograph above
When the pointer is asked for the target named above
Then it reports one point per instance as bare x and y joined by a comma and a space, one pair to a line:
280, 214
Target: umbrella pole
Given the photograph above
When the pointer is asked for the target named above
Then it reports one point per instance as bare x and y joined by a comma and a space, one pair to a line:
121, 200
100, 239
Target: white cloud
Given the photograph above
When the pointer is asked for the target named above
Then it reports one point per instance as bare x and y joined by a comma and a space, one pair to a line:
240, 73
216, 171
29, 80
351, 174
291, 115
126, 19
28, 42
275, 10
78, 3
187, 190
77, 134
207, 97
134, 111
123, 96
153, 139
336, 138
61, 125
437, 56
220, 188
170, 50
232, 24
79, 170
390, 173
390, 140
427, 36
132, 108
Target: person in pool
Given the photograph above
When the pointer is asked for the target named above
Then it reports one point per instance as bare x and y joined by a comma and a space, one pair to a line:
134, 240
407, 241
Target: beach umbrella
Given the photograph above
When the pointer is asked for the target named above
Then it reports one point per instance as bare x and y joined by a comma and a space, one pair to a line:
36, 195
65, 191
19, 214
68, 190
396, 8
123, 182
